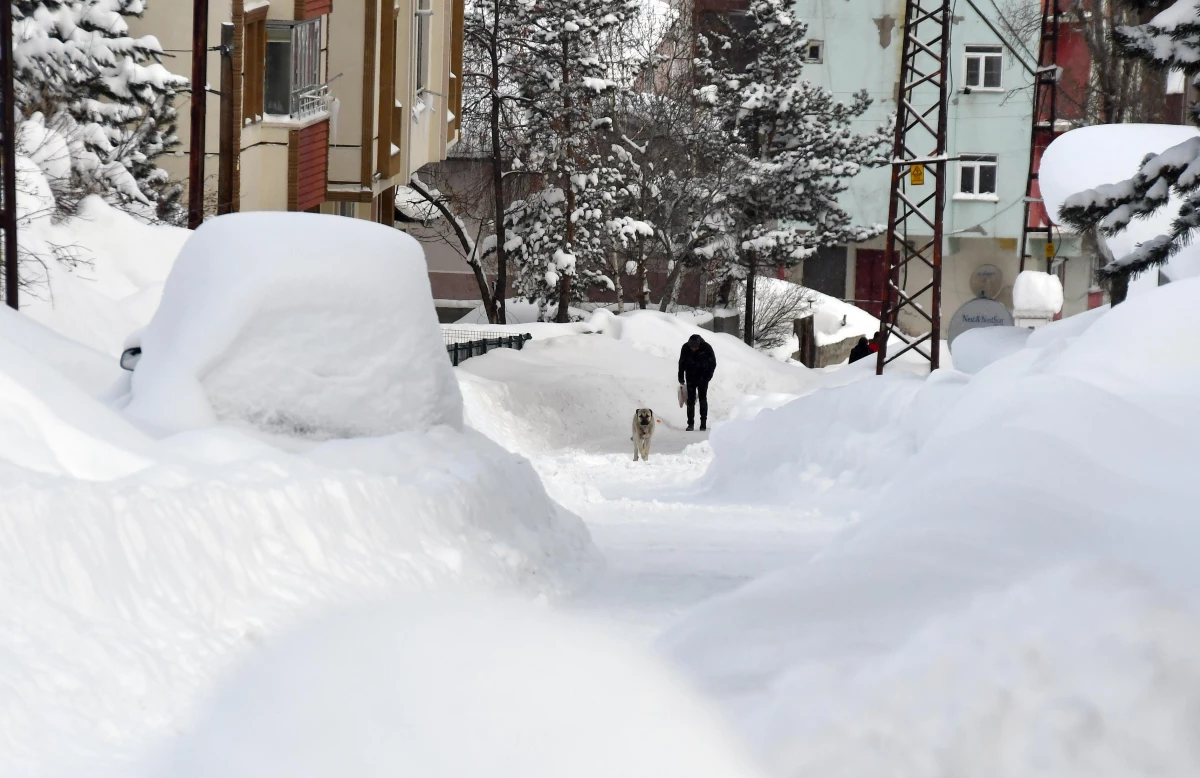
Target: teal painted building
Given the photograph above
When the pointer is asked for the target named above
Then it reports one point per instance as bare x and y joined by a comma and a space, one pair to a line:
856, 44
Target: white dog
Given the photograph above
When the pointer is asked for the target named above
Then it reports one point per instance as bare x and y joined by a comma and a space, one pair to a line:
643, 431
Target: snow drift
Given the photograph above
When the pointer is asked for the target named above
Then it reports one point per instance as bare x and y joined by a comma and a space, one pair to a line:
96, 275
453, 689
297, 323
136, 567
579, 383
1014, 600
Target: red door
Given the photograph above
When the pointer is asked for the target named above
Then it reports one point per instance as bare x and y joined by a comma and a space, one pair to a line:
869, 278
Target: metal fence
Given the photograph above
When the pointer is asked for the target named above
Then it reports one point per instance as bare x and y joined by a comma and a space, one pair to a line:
462, 344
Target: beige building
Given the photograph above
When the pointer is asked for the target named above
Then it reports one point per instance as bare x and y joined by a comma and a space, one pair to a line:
333, 103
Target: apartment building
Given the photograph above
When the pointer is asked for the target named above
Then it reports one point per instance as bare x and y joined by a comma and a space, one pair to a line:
332, 103
857, 46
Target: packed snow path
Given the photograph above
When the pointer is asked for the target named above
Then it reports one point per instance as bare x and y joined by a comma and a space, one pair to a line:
666, 547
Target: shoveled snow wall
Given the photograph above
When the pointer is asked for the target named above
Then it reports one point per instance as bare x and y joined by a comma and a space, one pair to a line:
1020, 594
576, 384
296, 323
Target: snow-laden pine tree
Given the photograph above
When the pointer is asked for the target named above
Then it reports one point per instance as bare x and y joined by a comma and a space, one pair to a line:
667, 162
1171, 40
556, 232
792, 142
103, 90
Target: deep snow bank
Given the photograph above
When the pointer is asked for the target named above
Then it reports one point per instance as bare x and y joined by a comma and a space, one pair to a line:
93, 277
1015, 599
297, 323
135, 568
579, 383
454, 689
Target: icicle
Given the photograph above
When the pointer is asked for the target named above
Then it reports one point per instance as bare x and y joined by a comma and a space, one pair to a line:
334, 105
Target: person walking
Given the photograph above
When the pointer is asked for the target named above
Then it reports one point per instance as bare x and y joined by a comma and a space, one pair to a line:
697, 363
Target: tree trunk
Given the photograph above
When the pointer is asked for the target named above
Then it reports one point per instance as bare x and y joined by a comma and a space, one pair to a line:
564, 278
615, 263
498, 294
672, 286
643, 294
724, 292
1118, 289
489, 304
749, 326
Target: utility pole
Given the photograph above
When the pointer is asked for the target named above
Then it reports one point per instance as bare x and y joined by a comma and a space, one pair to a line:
918, 188
199, 103
1044, 130
225, 160
8, 158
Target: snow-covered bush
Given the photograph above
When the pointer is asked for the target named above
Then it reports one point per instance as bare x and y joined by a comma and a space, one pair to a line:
102, 91
300, 324
777, 305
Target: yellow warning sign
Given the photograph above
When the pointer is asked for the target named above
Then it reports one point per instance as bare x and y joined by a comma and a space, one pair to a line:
1049, 250
916, 175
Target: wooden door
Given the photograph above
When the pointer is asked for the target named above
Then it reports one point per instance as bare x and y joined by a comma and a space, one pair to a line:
870, 275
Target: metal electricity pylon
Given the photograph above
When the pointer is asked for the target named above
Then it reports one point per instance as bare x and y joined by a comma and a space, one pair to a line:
918, 187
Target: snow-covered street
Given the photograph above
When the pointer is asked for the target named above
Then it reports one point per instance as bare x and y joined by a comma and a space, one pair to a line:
666, 547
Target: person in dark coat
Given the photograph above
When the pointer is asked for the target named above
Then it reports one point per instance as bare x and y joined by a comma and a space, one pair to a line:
861, 350
697, 363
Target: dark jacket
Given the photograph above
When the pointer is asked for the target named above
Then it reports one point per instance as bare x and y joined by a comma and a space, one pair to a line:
861, 350
698, 365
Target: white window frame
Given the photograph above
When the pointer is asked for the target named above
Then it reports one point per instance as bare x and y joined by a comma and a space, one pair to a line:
983, 52
976, 162
820, 52
303, 41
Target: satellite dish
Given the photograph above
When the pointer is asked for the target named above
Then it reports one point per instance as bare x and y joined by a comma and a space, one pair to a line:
987, 281
980, 312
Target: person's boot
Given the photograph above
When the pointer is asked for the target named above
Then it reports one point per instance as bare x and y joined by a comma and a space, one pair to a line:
690, 427
703, 425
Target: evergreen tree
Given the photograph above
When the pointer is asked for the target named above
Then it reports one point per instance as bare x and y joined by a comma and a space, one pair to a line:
668, 161
105, 91
556, 232
1171, 40
792, 144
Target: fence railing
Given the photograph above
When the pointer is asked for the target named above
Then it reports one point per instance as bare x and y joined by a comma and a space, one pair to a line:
461, 345
309, 101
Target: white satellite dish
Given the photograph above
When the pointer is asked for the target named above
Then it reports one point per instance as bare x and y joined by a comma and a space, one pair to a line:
973, 314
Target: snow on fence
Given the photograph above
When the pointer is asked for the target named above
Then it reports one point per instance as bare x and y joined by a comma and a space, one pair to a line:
462, 344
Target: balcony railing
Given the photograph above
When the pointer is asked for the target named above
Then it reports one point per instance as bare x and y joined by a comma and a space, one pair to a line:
310, 101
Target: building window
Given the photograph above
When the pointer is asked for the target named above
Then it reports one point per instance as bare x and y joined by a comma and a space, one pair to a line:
253, 63
983, 67
424, 13
293, 66
813, 51
977, 176
345, 208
